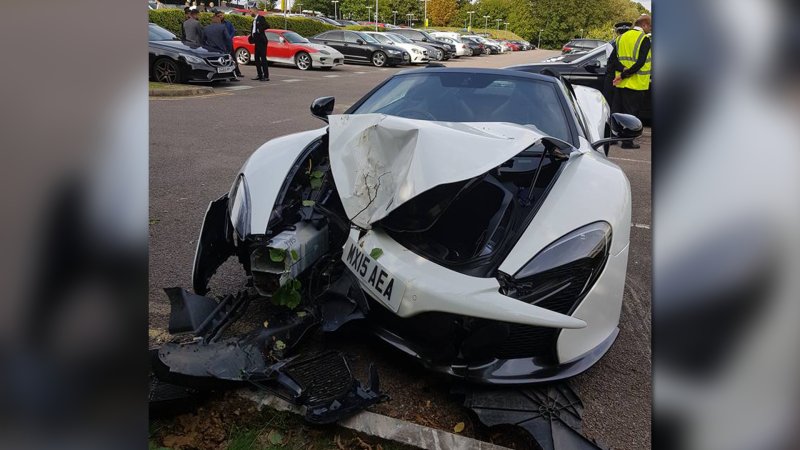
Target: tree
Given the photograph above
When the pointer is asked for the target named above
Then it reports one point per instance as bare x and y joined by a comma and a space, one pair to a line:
440, 12
323, 6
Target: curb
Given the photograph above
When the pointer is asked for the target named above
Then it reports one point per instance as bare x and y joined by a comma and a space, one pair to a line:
184, 92
384, 427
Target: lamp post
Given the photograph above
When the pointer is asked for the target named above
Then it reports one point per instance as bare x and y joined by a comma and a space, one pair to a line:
300, 8
498, 22
369, 13
581, 33
486, 22
376, 15
506, 24
539, 44
470, 19
394, 22
426, 12
408, 17
334, 9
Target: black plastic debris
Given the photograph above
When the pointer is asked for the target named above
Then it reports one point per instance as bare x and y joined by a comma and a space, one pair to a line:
551, 414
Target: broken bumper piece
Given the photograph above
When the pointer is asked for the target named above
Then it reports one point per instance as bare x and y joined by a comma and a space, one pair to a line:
322, 382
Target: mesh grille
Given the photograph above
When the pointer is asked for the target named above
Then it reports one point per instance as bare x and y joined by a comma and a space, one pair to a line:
323, 377
526, 341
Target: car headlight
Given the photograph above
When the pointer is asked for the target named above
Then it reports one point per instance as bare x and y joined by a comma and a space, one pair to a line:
561, 274
415, 50
392, 52
325, 52
192, 59
240, 206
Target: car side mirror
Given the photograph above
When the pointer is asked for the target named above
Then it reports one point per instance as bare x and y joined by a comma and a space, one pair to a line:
624, 127
322, 107
359, 42
282, 39
593, 66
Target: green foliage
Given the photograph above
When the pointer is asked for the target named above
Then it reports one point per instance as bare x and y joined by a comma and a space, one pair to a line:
288, 295
363, 28
171, 19
309, 202
441, 12
376, 253
277, 255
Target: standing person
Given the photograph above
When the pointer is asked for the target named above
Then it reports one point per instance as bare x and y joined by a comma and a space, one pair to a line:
216, 35
633, 81
613, 64
185, 18
259, 39
194, 31
232, 31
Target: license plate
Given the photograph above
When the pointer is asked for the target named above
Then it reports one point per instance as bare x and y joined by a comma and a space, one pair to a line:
374, 277
225, 69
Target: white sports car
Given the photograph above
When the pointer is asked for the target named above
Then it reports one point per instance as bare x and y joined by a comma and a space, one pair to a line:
467, 217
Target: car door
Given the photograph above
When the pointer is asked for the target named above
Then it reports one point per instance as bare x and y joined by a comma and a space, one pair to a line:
276, 50
335, 39
590, 72
358, 51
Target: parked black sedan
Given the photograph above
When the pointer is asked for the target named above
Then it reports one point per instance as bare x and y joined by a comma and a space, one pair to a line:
359, 47
448, 50
173, 61
475, 47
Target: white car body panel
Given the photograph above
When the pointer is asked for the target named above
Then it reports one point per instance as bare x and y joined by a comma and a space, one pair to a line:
398, 155
316, 57
595, 110
417, 57
274, 157
431, 287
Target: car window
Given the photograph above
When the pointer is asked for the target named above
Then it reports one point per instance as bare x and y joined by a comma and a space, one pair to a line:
156, 33
272, 37
368, 38
332, 36
472, 97
350, 37
295, 38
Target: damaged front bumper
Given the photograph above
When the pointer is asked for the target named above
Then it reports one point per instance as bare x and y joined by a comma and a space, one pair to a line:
321, 382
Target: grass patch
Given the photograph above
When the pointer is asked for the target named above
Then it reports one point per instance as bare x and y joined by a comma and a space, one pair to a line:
174, 86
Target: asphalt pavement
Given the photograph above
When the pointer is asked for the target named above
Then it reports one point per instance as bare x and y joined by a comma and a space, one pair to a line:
197, 145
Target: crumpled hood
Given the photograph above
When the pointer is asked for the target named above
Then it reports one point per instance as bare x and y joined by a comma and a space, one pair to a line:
380, 162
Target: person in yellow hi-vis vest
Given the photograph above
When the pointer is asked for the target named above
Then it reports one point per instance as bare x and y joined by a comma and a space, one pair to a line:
633, 51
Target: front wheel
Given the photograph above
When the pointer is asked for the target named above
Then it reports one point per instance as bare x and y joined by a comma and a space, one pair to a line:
302, 60
439, 55
379, 59
242, 56
166, 70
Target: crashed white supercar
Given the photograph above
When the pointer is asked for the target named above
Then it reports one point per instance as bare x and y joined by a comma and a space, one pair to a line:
469, 216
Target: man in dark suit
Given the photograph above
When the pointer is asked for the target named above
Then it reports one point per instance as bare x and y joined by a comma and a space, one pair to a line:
260, 41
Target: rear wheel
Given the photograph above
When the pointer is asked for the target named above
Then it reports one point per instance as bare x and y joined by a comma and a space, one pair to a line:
379, 59
166, 70
242, 56
302, 60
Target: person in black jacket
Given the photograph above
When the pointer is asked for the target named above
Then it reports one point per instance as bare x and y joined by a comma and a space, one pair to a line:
259, 39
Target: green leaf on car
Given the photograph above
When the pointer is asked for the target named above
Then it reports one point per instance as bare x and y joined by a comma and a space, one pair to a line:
376, 253
309, 202
277, 255
315, 183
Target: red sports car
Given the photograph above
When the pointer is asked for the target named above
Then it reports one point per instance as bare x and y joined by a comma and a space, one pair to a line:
288, 47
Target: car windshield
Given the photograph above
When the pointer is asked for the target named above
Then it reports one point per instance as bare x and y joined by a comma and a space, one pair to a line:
156, 33
368, 38
399, 38
382, 38
294, 38
471, 97
427, 36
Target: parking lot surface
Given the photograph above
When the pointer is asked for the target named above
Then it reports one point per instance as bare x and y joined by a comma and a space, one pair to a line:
197, 145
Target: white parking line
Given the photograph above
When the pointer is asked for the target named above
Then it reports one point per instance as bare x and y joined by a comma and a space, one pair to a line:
641, 225
331, 76
359, 73
280, 121
291, 80
632, 160
237, 88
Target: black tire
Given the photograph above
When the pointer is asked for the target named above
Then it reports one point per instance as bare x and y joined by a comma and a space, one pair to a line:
439, 54
242, 56
302, 61
167, 70
379, 59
